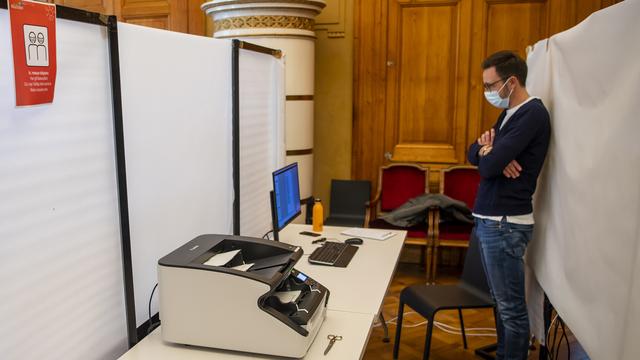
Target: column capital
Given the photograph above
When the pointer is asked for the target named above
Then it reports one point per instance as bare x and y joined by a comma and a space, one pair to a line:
244, 18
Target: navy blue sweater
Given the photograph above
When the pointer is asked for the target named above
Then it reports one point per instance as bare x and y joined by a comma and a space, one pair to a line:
525, 138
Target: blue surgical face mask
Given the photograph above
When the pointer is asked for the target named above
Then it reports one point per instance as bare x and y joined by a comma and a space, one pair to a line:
493, 97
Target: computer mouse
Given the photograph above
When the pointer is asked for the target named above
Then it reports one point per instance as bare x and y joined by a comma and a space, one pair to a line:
353, 241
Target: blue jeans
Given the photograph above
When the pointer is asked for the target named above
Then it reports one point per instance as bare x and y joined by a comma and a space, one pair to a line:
502, 247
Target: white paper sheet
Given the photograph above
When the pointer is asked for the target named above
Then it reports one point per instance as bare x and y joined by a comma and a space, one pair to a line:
221, 259
287, 296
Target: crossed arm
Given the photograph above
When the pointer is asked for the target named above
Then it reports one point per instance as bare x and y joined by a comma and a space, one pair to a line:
484, 146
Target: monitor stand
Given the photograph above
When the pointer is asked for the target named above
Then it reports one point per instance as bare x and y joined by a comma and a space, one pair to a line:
274, 216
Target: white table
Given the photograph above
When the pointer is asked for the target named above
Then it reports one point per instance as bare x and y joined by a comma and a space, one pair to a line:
362, 285
357, 292
354, 328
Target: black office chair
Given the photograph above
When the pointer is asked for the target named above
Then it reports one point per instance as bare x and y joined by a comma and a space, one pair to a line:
471, 292
349, 203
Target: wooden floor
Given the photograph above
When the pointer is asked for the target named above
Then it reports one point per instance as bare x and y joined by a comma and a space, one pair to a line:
443, 345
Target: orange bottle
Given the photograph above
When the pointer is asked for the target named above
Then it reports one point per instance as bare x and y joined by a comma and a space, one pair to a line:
318, 216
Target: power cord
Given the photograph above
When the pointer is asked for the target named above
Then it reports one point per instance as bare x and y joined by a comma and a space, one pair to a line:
267, 233
553, 347
566, 339
152, 325
550, 346
444, 327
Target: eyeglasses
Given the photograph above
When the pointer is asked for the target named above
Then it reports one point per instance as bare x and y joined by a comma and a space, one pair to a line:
489, 86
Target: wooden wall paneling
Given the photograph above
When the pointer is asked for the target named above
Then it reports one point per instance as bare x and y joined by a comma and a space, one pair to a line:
154, 21
584, 8
369, 89
562, 15
513, 27
176, 15
100, 6
566, 14
510, 25
196, 18
179, 15
419, 120
146, 13
606, 3
162, 14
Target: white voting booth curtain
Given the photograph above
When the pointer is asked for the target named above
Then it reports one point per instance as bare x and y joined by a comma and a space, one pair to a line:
61, 280
585, 253
262, 143
176, 98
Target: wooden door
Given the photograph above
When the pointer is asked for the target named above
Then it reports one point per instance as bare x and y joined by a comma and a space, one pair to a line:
427, 80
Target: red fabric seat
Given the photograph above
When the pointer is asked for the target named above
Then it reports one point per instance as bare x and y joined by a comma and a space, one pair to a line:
401, 182
397, 183
460, 183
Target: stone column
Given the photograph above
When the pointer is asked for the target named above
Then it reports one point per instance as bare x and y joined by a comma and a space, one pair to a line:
287, 25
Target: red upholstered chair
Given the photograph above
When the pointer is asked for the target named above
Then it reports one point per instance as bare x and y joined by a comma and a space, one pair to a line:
397, 183
460, 183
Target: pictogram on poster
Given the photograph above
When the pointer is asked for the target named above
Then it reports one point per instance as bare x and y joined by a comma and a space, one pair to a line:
33, 34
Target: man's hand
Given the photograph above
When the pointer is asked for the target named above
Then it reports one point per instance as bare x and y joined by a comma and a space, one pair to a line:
487, 138
512, 170
485, 150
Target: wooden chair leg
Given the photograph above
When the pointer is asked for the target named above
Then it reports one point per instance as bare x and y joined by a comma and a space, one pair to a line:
427, 341
464, 336
434, 263
396, 344
428, 261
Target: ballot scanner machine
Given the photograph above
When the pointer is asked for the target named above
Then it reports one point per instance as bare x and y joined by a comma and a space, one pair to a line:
239, 293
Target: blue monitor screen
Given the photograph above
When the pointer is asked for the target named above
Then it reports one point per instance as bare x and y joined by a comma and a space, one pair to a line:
286, 190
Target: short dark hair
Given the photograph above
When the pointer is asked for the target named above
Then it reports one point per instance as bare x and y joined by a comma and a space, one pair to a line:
507, 64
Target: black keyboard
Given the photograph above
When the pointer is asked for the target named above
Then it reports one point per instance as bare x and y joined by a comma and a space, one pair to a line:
333, 254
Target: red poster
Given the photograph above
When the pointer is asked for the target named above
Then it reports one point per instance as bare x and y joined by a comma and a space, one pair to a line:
33, 33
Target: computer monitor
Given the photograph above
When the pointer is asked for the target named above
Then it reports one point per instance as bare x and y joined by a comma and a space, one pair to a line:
285, 197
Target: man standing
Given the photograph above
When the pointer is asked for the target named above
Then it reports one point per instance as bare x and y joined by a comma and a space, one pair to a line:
509, 157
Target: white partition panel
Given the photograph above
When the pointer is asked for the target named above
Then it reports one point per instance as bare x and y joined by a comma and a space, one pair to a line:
61, 287
262, 143
586, 246
176, 92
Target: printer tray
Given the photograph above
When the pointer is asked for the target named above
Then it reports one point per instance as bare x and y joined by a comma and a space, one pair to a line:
271, 261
